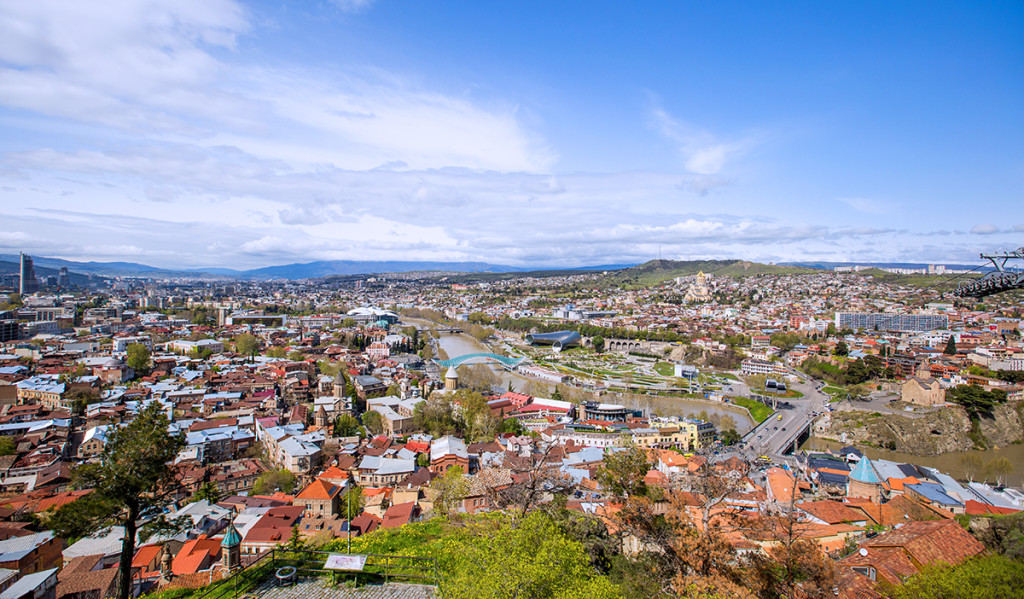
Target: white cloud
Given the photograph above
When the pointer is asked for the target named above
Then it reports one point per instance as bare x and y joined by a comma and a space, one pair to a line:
15, 238
172, 148
158, 68
984, 229
247, 213
363, 123
123, 63
703, 153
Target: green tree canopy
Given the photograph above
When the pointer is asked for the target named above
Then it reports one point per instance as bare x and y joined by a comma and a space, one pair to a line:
976, 400
248, 345
133, 476
622, 474
138, 357
994, 577
346, 426
532, 559
950, 346
1000, 467
353, 498
373, 422
511, 426
451, 488
272, 481
436, 415
474, 420
208, 491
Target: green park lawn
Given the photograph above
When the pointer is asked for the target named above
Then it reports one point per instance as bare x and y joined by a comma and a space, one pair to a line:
758, 411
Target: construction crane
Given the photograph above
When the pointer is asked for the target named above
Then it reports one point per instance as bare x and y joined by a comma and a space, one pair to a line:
997, 281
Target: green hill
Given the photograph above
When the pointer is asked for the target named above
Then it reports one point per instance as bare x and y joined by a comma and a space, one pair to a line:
657, 271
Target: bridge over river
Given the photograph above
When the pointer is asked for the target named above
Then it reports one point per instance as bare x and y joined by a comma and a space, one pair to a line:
505, 361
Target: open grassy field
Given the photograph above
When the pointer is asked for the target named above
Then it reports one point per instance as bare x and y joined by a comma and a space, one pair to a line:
758, 410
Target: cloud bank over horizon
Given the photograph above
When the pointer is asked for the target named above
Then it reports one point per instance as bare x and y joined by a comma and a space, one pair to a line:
212, 133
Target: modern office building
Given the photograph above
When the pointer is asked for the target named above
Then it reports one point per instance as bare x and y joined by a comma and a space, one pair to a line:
27, 276
902, 323
8, 326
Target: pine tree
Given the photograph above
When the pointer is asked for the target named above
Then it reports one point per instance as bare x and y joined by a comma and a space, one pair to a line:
132, 477
950, 346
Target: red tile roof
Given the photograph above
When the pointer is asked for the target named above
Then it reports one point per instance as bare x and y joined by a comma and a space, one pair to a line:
319, 489
832, 512
334, 473
932, 542
145, 556
195, 555
975, 508
399, 514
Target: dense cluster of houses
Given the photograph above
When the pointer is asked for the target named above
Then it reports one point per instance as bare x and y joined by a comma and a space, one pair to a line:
244, 417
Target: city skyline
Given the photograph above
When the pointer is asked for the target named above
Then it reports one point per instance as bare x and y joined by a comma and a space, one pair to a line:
228, 134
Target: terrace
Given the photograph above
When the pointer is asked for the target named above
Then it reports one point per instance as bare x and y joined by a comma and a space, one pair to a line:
301, 574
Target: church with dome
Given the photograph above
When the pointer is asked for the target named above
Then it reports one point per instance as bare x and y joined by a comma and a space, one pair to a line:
699, 291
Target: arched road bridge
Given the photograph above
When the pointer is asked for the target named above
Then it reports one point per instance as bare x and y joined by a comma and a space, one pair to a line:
505, 361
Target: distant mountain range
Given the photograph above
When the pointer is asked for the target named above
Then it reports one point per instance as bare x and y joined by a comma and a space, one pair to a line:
649, 272
309, 270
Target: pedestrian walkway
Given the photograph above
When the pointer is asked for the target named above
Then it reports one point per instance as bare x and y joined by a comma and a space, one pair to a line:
321, 589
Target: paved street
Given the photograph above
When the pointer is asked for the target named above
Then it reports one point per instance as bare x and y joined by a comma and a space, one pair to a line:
774, 435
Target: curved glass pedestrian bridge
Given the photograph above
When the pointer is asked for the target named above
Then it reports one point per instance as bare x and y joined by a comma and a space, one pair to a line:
505, 361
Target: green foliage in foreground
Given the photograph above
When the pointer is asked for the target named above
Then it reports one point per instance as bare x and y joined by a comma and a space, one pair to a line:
994, 577
552, 555
758, 411
494, 556
174, 594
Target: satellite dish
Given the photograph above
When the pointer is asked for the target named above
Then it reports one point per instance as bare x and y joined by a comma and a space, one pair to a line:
863, 552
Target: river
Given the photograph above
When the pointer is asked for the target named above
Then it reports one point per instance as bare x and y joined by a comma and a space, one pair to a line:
458, 345
946, 462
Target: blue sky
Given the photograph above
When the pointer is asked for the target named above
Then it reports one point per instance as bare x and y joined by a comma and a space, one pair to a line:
219, 133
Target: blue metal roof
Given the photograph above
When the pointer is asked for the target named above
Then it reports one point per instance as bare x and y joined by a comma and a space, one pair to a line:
830, 478
934, 492
865, 472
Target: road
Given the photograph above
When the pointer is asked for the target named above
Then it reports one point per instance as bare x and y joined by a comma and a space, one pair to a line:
772, 437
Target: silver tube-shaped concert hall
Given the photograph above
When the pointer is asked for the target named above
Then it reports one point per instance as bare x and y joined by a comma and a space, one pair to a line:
558, 340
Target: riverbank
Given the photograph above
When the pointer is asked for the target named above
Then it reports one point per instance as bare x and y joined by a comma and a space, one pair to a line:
947, 430
457, 345
950, 463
